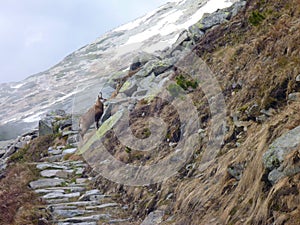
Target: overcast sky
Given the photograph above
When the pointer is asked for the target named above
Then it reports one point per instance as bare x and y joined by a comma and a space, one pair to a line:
36, 34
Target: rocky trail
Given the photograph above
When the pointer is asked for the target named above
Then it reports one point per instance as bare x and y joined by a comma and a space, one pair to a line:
68, 193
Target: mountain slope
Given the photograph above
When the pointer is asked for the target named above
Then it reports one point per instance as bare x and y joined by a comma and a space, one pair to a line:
81, 75
254, 178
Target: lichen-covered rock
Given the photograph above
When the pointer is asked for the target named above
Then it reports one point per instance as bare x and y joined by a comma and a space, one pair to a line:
129, 87
278, 151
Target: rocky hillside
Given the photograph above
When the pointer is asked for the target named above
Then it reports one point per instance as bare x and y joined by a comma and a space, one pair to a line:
74, 82
206, 133
243, 171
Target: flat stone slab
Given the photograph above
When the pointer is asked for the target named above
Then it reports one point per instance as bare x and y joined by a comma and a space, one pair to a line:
54, 195
47, 182
46, 191
93, 218
56, 173
84, 223
55, 152
79, 204
71, 212
87, 196
102, 206
69, 151
43, 166
61, 189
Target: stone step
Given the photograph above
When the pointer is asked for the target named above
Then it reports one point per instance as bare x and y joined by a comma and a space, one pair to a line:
47, 182
83, 223
67, 213
78, 203
57, 173
102, 206
60, 189
55, 195
80, 219
43, 166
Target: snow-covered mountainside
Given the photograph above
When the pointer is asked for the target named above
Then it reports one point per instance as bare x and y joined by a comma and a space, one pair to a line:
81, 75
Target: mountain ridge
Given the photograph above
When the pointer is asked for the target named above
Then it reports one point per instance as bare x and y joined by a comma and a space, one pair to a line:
83, 71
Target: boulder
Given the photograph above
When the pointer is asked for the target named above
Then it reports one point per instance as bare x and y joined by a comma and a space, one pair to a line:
294, 97
129, 87
45, 127
155, 66
274, 157
141, 60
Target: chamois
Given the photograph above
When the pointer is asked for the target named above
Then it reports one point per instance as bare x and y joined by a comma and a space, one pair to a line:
93, 115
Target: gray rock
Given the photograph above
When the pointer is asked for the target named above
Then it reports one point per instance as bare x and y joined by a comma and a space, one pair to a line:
81, 219
57, 173
83, 223
274, 157
11, 150
141, 60
295, 97
46, 191
60, 195
43, 166
78, 204
298, 78
45, 127
183, 37
153, 218
42, 183
129, 87
236, 170
71, 212
69, 151
60, 189
2, 152
65, 123
195, 33
72, 139
55, 152
92, 195
102, 206
20, 144
69, 133
236, 7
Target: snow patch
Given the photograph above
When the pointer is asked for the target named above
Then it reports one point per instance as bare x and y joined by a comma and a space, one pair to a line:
210, 7
163, 27
167, 23
34, 118
17, 86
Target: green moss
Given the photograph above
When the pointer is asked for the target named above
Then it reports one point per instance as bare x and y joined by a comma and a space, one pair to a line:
186, 83
128, 150
256, 18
